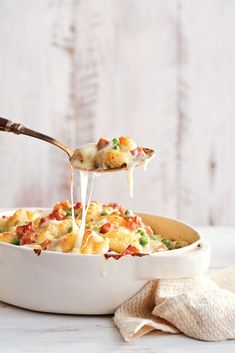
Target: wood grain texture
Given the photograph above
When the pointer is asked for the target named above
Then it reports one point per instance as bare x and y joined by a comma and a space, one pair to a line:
138, 98
161, 71
207, 82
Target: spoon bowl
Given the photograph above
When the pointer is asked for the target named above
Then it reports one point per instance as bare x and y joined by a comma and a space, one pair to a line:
149, 152
18, 129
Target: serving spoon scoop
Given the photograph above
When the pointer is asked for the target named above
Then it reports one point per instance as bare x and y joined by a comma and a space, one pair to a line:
19, 129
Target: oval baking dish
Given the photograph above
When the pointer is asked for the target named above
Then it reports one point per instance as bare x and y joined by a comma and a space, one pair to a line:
89, 284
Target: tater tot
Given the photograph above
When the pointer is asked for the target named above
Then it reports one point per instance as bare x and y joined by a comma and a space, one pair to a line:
94, 209
7, 237
115, 158
120, 240
66, 243
94, 244
126, 143
19, 217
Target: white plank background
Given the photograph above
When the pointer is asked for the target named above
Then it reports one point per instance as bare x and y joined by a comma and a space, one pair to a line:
162, 71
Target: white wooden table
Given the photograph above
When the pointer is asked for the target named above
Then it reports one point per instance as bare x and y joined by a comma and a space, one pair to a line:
27, 331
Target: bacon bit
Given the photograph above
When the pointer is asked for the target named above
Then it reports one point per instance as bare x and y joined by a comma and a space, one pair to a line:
133, 223
130, 250
105, 228
117, 206
102, 143
43, 220
137, 152
28, 239
161, 247
26, 233
37, 251
25, 230
58, 214
78, 206
45, 244
148, 229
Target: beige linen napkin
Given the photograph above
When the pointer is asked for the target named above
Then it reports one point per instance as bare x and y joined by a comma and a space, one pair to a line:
200, 307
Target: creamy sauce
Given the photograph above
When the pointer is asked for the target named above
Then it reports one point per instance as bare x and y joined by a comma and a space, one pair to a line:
130, 168
84, 157
51, 221
96, 237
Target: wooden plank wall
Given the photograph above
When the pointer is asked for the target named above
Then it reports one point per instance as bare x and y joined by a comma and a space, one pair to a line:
162, 71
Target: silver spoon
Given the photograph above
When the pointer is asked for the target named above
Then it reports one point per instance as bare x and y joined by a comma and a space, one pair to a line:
19, 129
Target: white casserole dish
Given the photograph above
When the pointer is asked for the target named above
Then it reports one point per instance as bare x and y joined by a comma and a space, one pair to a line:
89, 284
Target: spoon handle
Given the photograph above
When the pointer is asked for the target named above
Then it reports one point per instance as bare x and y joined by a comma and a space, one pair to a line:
19, 129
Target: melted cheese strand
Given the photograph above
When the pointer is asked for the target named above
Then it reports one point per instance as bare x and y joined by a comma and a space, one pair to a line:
75, 227
84, 178
83, 185
130, 169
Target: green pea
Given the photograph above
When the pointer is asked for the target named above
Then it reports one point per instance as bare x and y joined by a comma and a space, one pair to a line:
115, 141
141, 231
143, 240
68, 213
116, 147
178, 245
128, 212
70, 229
16, 241
104, 213
154, 237
167, 243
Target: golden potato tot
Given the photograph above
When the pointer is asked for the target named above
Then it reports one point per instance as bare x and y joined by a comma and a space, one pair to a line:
115, 158
119, 241
19, 217
94, 244
66, 243
93, 211
126, 143
7, 237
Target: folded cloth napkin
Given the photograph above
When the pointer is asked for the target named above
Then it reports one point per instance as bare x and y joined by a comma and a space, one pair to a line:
199, 307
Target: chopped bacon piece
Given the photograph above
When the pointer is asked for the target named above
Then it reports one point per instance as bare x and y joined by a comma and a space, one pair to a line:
148, 229
130, 250
58, 214
37, 251
78, 206
43, 220
25, 229
26, 233
105, 228
28, 239
102, 143
45, 244
138, 152
161, 247
133, 223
